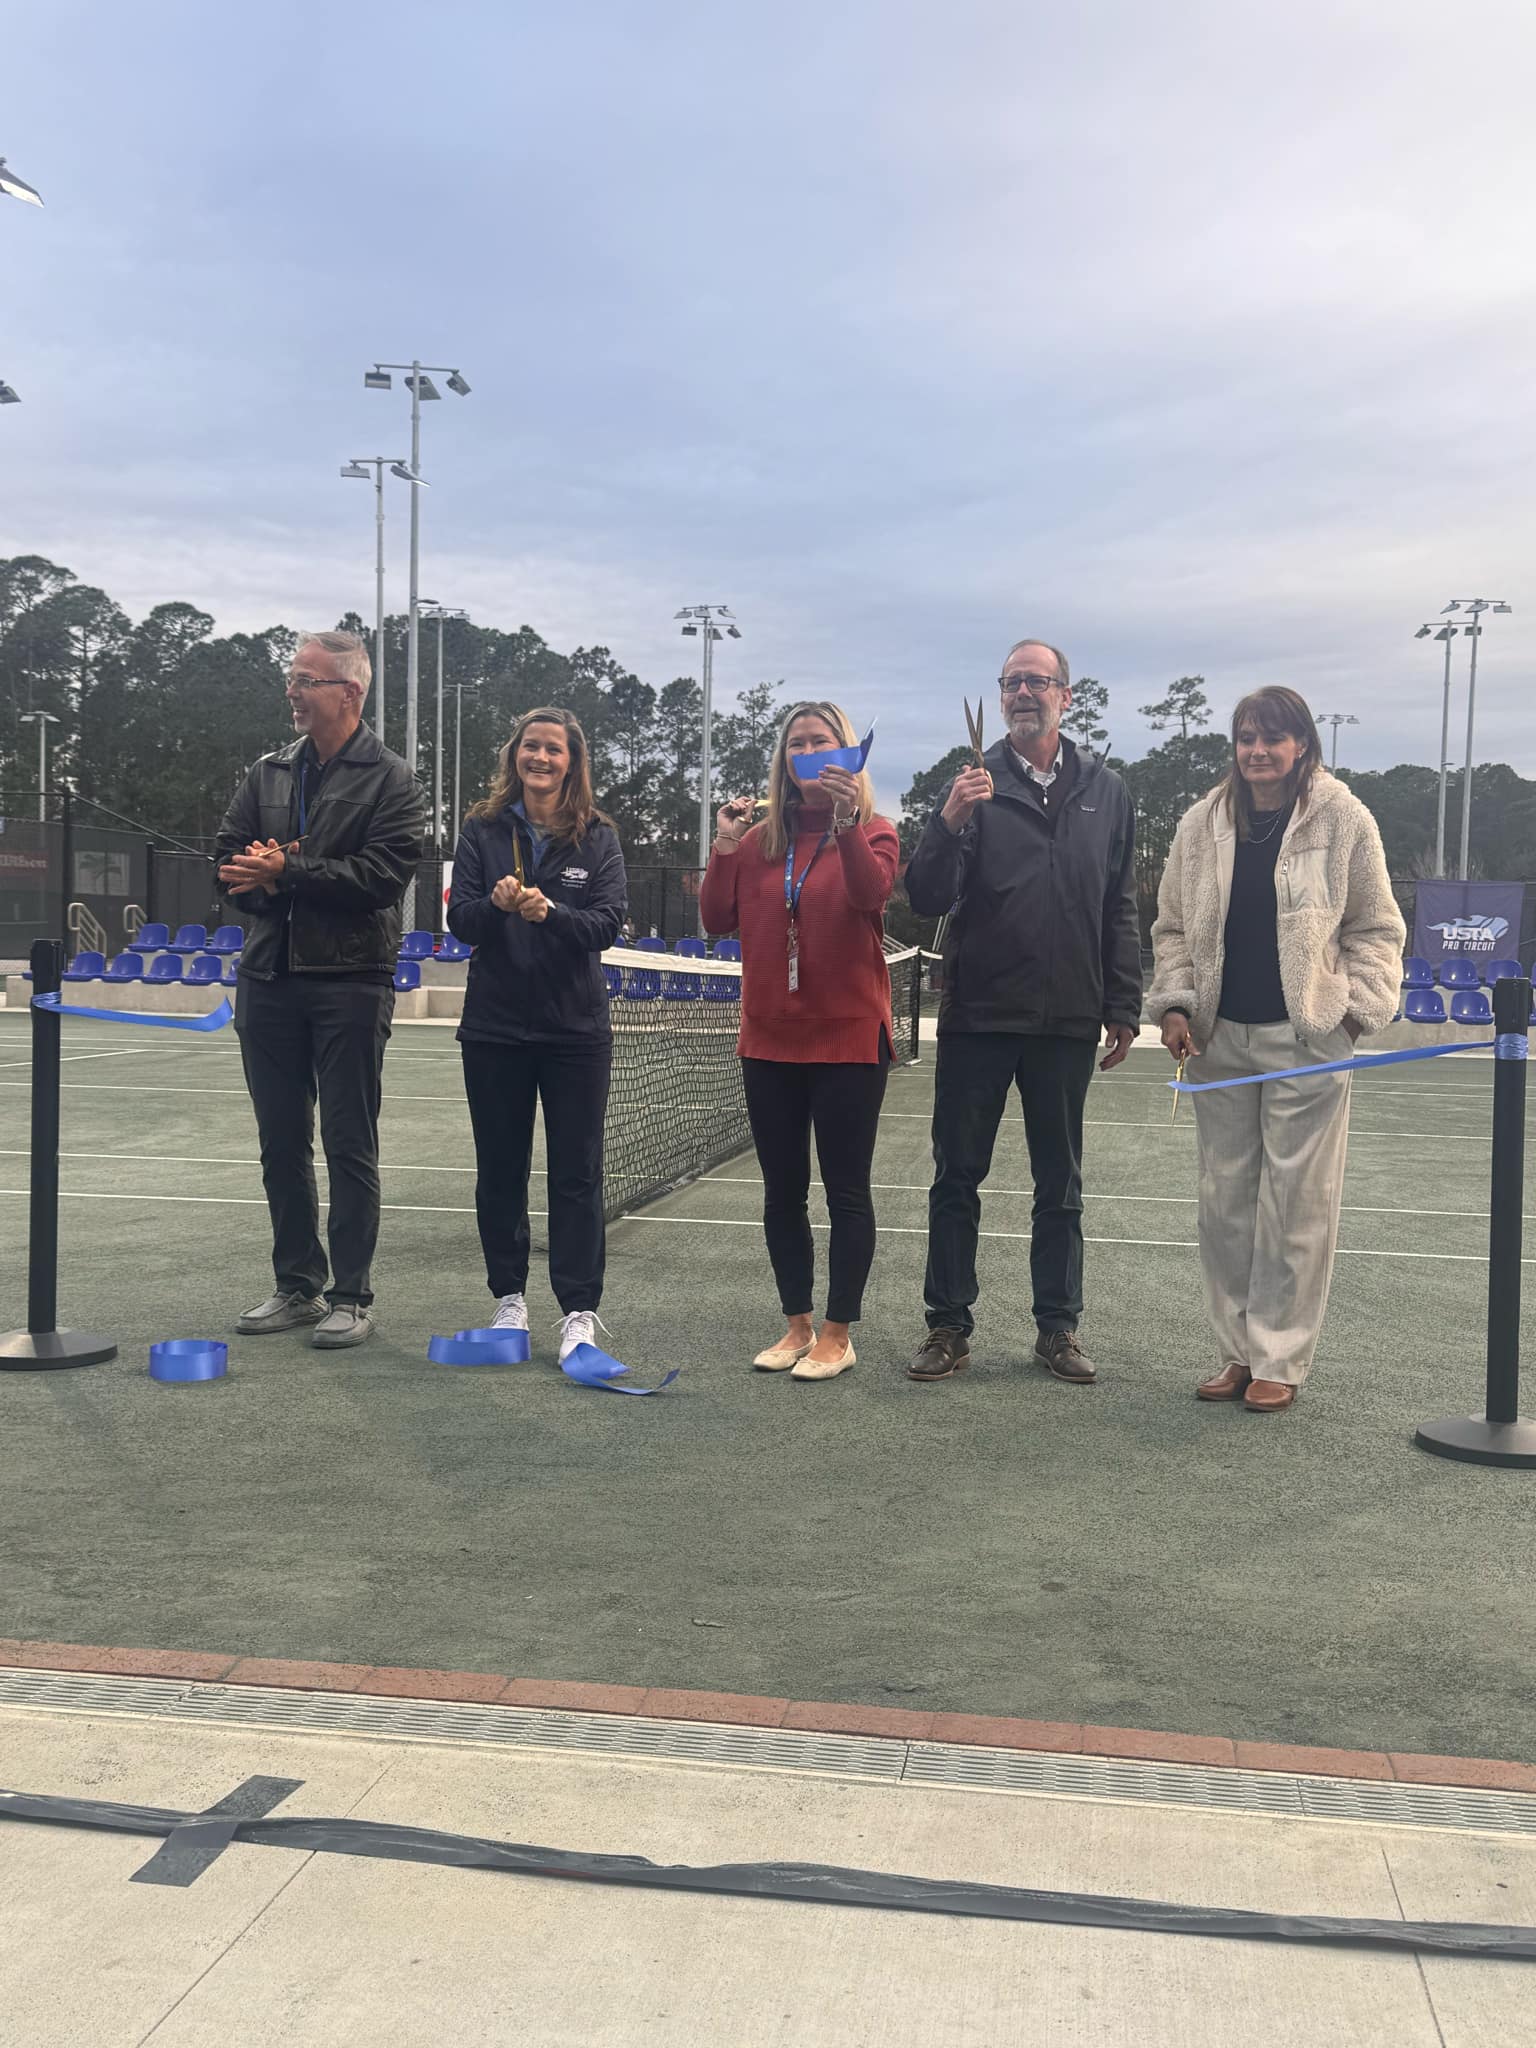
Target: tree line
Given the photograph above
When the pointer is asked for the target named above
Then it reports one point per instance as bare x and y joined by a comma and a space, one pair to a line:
159, 720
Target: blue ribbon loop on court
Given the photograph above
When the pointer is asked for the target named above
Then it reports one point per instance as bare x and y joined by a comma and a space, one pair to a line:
214, 1021
480, 1347
807, 768
1358, 1064
181, 1360
590, 1367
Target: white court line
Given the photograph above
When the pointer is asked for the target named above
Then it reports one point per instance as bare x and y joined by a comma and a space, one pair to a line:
158, 1088
199, 1159
121, 1053
1173, 1244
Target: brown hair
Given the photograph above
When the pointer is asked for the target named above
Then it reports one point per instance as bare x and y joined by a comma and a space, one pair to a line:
784, 797
1279, 714
576, 809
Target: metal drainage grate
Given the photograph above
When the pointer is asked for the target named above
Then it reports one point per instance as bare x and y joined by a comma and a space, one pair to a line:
937, 1764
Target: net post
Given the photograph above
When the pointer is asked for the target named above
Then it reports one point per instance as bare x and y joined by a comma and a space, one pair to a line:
42, 1346
1499, 1436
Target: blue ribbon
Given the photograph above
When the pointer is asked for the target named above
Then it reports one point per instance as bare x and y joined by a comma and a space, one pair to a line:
590, 1367
1511, 1045
184, 1359
214, 1021
480, 1347
1365, 1059
808, 767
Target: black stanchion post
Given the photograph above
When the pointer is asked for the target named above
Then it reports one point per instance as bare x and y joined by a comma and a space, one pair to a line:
1499, 1437
41, 1346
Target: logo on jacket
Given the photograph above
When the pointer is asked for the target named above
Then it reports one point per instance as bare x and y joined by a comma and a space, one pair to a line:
574, 875
1471, 934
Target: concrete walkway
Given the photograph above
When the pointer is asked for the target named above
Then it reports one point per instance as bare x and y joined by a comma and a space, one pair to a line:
270, 1946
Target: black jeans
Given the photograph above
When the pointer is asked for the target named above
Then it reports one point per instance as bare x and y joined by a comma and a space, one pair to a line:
503, 1082
969, 1097
303, 1037
786, 1101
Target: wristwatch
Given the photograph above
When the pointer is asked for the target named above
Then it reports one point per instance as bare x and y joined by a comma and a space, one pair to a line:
844, 824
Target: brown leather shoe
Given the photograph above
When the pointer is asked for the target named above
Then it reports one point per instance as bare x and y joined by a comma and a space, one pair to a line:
1061, 1354
941, 1353
1226, 1386
1265, 1395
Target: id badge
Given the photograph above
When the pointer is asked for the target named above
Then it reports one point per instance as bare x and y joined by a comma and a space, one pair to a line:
794, 960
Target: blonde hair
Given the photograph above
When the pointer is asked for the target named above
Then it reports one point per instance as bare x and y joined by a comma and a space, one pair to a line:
784, 796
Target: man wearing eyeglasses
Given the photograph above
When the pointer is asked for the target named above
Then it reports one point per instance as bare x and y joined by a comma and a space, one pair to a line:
1032, 852
315, 854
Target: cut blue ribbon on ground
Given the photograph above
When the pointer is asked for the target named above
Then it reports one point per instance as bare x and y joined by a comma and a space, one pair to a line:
1362, 1060
590, 1367
488, 1346
214, 1021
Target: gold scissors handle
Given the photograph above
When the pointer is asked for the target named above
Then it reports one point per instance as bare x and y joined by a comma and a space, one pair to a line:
1178, 1075
973, 726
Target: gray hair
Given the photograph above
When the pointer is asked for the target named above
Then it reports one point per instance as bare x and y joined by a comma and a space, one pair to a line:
1033, 640
348, 650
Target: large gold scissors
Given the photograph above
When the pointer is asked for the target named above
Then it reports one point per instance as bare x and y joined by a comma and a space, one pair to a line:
973, 726
1178, 1075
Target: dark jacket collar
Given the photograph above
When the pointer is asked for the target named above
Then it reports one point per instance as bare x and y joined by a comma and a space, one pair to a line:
1008, 773
362, 750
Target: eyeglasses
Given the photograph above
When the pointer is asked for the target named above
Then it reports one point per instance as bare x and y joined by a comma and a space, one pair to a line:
1036, 685
309, 682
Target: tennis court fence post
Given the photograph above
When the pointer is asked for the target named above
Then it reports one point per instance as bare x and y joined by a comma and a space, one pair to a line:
1499, 1436
42, 1346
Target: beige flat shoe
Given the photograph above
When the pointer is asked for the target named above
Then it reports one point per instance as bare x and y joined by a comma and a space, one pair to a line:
780, 1357
807, 1370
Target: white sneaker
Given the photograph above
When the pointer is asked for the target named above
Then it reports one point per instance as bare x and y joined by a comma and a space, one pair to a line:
511, 1313
577, 1328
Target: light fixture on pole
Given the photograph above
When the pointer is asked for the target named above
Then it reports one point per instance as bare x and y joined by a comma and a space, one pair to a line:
1476, 606
431, 609
699, 620
17, 188
8, 396
43, 720
359, 467
1336, 719
1447, 634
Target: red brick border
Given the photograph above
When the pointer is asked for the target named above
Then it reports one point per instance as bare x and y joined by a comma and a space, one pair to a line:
822, 1717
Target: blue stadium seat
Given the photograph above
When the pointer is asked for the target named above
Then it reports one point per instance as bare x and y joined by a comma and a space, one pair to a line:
232, 972
641, 984
191, 938
728, 949
1470, 1006
692, 949
1457, 971
1424, 1006
127, 967
450, 948
416, 946
613, 980
721, 988
407, 975
165, 967
86, 967
1501, 970
650, 945
1417, 973
680, 988
153, 937
206, 967
227, 939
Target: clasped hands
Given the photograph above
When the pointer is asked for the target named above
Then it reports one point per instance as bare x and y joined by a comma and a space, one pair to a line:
531, 904
256, 869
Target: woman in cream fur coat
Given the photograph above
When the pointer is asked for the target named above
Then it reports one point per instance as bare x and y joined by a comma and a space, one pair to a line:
1277, 944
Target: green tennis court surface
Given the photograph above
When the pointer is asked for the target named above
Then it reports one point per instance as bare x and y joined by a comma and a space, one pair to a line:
996, 1544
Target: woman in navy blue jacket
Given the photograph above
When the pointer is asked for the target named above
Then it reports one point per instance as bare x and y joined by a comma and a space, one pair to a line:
539, 891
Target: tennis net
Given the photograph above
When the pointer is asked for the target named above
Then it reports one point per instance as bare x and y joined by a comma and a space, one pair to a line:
676, 1107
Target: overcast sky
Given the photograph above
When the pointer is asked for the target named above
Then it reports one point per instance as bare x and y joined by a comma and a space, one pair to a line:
1196, 337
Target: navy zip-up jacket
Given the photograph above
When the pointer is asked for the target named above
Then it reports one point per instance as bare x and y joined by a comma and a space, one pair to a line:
537, 983
1044, 939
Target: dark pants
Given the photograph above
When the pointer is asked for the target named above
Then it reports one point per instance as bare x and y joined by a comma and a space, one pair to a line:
786, 1101
970, 1094
503, 1083
303, 1038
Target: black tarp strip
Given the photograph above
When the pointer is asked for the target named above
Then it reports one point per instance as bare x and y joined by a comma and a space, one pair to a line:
813, 1882
189, 1848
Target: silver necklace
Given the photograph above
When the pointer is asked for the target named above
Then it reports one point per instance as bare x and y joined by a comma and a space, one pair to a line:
1255, 840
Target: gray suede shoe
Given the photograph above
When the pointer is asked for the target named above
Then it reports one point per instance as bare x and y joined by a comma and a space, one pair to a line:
281, 1312
346, 1324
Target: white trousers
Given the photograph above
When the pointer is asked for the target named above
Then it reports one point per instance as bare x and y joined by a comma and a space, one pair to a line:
1271, 1180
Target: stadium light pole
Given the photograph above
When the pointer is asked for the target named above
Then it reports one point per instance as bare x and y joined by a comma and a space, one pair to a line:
1447, 634
458, 749
43, 720
1476, 606
699, 619
431, 609
1336, 719
359, 467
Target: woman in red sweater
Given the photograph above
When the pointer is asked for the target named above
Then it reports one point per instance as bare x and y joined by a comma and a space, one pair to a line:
807, 889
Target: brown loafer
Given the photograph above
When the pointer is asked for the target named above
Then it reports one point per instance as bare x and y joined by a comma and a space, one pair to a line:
941, 1353
1265, 1395
1061, 1354
1226, 1386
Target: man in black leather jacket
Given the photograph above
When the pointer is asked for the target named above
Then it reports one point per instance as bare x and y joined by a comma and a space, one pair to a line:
315, 854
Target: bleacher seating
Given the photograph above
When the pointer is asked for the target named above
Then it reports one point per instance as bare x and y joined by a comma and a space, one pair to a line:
126, 967
1471, 1006
1501, 970
692, 949
452, 949
1457, 971
1417, 973
227, 939
416, 946
86, 967
232, 972
191, 938
613, 980
408, 973
166, 966
153, 938
1424, 1006
650, 945
641, 984
728, 949
205, 968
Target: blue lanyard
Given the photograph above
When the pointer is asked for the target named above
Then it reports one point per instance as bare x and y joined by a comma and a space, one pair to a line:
792, 888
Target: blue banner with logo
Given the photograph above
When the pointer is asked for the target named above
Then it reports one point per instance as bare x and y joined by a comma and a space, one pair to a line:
1479, 919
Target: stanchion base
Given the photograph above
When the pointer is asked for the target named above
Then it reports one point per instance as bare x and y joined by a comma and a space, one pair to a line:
1476, 1441
52, 1350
